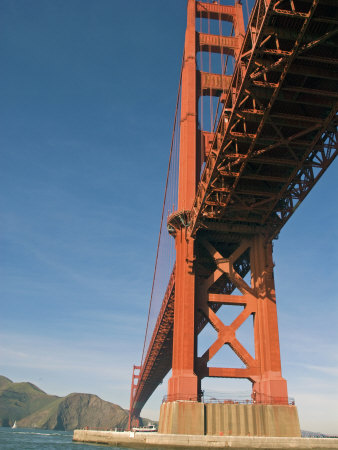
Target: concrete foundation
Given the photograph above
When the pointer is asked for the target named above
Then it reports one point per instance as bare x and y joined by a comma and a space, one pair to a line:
184, 441
182, 418
252, 420
194, 418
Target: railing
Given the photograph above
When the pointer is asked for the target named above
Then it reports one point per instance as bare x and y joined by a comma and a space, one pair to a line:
116, 429
256, 398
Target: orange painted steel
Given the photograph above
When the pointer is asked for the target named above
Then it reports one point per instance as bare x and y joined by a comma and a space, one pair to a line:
136, 375
276, 136
157, 361
277, 133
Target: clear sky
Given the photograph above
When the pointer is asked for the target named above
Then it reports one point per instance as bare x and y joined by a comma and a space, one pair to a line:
88, 91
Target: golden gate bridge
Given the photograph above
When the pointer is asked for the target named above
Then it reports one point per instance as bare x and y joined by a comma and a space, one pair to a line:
255, 128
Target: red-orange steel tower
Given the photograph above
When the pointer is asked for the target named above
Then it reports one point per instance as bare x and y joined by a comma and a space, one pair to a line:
239, 183
212, 264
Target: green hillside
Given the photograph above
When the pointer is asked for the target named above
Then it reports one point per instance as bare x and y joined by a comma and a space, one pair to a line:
33, 408
18, 400
4, 381
77, 411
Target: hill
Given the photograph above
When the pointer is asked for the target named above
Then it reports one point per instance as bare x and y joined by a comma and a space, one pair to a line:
4, 381
18, 400
77, 411
314, 434
33, 408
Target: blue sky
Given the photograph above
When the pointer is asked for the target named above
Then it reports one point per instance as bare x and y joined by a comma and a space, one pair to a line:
88, 93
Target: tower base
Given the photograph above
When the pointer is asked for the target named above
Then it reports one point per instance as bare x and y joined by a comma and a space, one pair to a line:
182, 417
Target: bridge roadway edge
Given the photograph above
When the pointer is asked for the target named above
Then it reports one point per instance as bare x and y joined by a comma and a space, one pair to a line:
170, 441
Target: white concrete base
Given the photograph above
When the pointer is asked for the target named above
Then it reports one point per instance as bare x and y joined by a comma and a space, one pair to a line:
142, 440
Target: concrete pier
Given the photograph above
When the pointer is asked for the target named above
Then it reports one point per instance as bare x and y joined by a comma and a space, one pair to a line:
183, 441
183, 417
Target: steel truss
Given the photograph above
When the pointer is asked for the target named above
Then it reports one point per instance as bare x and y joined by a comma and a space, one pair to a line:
278, 131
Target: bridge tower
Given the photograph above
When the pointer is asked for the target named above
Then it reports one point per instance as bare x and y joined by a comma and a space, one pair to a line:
212, 263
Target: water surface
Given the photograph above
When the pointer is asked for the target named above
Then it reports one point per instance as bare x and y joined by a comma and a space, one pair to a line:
33, 438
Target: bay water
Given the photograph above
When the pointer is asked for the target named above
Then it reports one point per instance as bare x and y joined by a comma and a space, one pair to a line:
33, 438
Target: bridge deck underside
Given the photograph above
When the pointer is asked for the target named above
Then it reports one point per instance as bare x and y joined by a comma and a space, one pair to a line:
277, 134
157, 362
276, 137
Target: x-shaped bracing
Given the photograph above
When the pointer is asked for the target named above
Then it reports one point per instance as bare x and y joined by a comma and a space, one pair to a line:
227, 333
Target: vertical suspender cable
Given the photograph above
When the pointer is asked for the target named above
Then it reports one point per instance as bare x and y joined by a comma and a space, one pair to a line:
223, 73
210, 96
201, 87
247, 10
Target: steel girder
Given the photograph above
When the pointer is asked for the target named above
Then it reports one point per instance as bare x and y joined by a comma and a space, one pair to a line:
278, 131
